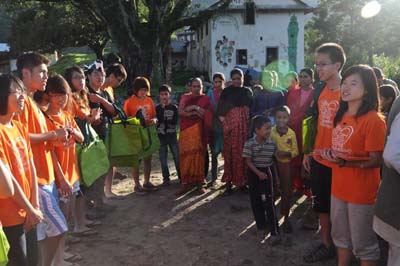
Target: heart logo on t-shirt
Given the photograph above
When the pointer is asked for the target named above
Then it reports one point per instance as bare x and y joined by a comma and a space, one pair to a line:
340, 136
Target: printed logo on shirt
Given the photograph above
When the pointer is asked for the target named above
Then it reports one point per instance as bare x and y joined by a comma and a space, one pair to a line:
19, 146
327, 113
168, 114
340, 136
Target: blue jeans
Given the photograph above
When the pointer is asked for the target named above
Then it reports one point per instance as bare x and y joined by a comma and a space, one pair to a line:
171, 141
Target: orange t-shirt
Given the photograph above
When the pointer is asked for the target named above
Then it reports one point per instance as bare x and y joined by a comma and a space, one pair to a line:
356, 137
66, 155
15, 153
328, 104
33, 118
75, 110
133, 104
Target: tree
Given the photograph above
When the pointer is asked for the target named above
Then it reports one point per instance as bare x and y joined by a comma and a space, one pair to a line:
141, 29
340, 21
47, 27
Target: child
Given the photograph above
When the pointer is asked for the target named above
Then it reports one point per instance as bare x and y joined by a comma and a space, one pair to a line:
285, 140
387, 95
140, 100
167, 118
258, 153
57, 90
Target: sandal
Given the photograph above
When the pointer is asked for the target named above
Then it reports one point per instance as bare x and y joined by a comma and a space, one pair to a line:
88, 232
93, 223
150, 187
320, 253
73, 239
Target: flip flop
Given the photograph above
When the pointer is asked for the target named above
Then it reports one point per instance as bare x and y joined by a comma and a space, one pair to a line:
73, 239
88, 232
94, 223
74, 258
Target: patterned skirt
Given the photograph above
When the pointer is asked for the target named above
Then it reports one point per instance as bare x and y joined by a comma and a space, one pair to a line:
191, 154
236, 130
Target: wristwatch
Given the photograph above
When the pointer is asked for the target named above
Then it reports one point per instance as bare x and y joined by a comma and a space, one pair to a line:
342, 163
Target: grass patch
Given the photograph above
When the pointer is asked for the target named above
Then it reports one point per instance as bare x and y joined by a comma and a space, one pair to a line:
70, 60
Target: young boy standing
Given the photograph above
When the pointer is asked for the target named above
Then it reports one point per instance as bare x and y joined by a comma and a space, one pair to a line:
167, 118
329, 61
285, 140
258, 153
32, 69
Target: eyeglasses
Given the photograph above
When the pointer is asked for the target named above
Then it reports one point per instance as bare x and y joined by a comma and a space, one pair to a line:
78, 77
322, 65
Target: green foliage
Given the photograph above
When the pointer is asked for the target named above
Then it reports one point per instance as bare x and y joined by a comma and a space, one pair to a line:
49, 26
340, 21
69, 60
389, 65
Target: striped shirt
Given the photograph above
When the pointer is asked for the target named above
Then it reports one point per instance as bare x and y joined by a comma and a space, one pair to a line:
261, 154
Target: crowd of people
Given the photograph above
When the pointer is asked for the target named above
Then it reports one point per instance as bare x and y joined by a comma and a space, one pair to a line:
257, 129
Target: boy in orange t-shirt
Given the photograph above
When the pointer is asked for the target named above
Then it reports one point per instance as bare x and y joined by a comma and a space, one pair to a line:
32, 69
329, 61
141, 101
20, 212
358, 140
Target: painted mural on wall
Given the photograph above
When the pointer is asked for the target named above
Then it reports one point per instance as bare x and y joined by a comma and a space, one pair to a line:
224, 50
293, 33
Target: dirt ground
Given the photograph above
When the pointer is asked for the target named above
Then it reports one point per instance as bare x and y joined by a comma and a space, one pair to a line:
160, 229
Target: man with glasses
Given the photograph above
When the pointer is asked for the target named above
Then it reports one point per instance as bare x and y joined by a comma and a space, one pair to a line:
115, 75
329, 61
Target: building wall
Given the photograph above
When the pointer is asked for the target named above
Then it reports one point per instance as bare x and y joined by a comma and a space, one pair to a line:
199, 51
270, 30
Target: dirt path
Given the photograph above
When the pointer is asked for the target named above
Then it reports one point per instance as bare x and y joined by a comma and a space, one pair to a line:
161, 229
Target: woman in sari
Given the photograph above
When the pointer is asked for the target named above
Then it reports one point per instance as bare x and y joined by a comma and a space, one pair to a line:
233, 111
298, 100
196, 121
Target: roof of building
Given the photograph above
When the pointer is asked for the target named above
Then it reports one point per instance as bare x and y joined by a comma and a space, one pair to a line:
178, 46
198, 5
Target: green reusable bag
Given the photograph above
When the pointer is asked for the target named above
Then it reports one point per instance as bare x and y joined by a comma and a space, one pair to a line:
150, 141
4, 248
92, 157
124, 141
310, 125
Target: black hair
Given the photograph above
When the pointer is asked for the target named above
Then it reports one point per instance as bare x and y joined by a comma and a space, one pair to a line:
387, 91
258, 121
371, 98
335, 51
378, 72
29, 61
118, 70
57, 84
69, 73
165, 87
236, 71
282, 108
308, 71
218, 75
6, 82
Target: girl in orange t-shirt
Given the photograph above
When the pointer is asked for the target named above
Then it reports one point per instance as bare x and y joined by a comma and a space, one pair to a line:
358, 140
140, 100
20, 212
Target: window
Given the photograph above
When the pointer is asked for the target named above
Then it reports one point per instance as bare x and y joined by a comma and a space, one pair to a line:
249, 13
207, 28
272, 55
241, 56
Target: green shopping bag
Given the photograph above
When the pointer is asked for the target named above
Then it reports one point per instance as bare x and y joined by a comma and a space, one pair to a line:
124, 142
150, 141
310, 125
4, 248
92, 157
